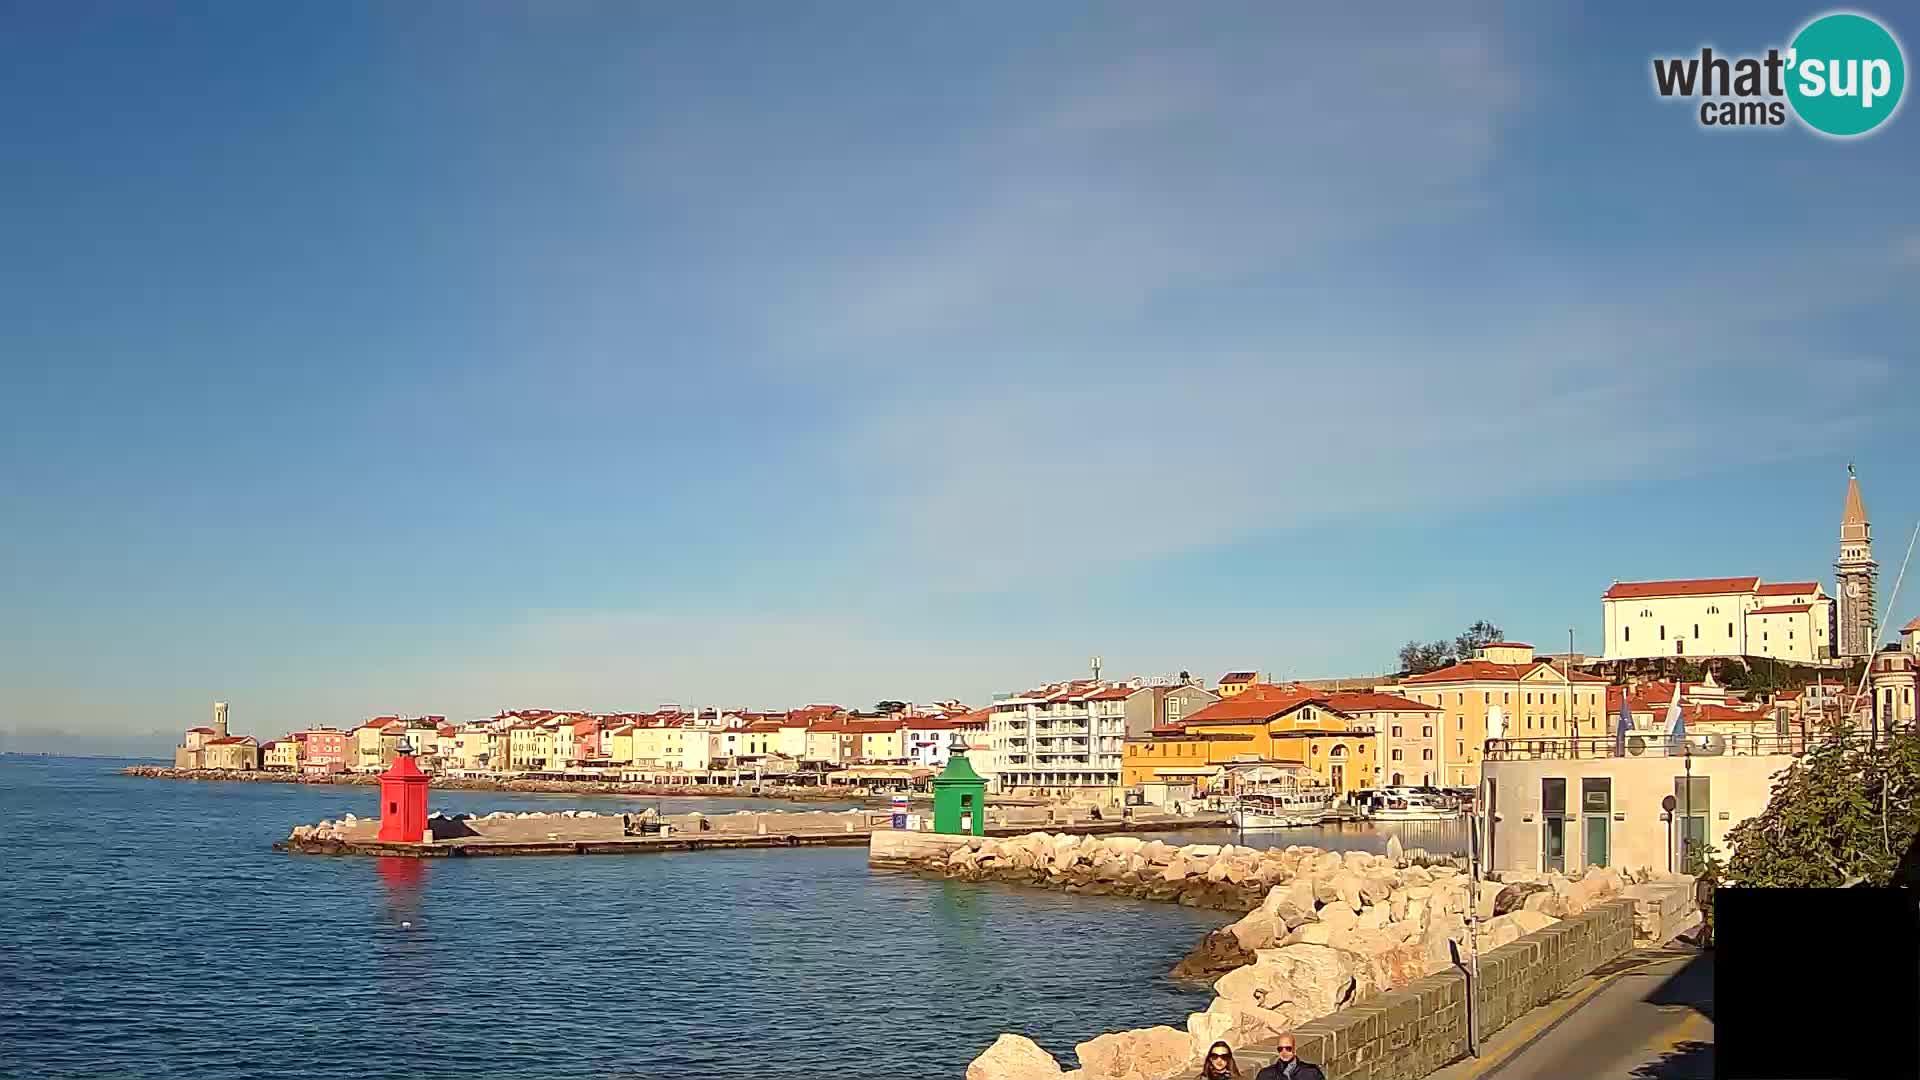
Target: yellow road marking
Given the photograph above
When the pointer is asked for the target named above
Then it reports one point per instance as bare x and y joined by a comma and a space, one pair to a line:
1524, 1030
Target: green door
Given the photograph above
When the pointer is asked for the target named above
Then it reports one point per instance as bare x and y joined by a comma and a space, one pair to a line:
1597, 837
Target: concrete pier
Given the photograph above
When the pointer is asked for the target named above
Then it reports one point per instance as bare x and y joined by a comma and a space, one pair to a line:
588, 833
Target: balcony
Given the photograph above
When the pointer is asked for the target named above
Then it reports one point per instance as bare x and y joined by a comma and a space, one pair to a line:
1651, 744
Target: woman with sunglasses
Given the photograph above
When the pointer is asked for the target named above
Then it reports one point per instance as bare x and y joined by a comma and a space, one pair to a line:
1219, 1064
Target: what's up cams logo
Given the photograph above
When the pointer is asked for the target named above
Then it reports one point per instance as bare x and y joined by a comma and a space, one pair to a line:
1842, 76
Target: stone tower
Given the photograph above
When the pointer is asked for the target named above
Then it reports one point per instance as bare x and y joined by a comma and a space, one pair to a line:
219, 719
1854, 576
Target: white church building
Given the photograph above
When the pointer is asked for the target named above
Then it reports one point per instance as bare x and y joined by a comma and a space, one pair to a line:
1718, 617
1793, 621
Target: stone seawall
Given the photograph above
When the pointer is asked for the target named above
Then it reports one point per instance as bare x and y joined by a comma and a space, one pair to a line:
1422, 1027
1364, 943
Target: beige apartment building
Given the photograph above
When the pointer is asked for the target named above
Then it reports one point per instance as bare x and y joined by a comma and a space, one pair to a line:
1406, 735
1504, 692
1559, 806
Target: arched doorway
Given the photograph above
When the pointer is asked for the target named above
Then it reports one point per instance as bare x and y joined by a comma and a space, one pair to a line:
1337, 768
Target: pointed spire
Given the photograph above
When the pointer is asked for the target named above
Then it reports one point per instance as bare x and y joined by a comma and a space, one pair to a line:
1856, 510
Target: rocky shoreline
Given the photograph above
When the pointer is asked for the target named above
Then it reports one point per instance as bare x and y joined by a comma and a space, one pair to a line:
1323, 930
551, 787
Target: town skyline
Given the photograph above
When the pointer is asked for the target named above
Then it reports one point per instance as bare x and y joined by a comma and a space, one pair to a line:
613, 357
135, 742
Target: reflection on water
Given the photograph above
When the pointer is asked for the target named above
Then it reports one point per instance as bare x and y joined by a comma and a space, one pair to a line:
401, 880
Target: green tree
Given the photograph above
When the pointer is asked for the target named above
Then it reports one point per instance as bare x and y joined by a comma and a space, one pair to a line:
889, 707
1418, 657
1476, 637
1844, 814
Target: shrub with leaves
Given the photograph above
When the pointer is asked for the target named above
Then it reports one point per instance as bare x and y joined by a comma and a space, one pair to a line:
1844, 814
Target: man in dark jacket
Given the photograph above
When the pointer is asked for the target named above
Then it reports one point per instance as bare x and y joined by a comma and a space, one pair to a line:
1290, 1067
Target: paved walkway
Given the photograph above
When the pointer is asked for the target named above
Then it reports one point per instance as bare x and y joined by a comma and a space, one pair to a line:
1646, 1016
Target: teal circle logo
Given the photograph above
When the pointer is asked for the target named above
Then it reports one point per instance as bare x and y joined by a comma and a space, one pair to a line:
1845, 74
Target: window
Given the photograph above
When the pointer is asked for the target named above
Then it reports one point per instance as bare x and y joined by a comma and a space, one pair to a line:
1529, 699
1396, 731
1460, 723
1663, 631
1506, 699
1729, 629
1460, 747
1426, 732
1173, 709
1426, 755
1626, 633
1459, 699
1529, 721
1396, 754
1486, 699
1713, 609
1696, 629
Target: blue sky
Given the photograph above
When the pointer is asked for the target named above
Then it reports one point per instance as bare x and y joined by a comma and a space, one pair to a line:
450, 357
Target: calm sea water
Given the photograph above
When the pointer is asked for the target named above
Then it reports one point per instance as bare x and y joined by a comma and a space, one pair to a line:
150, 931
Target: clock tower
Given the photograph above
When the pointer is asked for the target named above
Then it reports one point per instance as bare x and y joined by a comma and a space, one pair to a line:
1854, 574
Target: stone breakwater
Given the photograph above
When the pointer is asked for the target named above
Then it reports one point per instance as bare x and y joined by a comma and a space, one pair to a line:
467, 783
1211, 876
506, 827
1322, 931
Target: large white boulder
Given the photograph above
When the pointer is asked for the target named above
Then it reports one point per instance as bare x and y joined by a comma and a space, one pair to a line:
1300, 981
1013, 1057
1147, 1054
1257, 930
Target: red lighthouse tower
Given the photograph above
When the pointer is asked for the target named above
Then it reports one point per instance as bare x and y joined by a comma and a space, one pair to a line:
403, 800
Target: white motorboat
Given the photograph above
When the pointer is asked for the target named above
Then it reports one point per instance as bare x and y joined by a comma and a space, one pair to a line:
1407, 804
1283, 806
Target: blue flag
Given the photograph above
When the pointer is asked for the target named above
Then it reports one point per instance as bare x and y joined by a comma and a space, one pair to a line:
1620, 730
1676, 721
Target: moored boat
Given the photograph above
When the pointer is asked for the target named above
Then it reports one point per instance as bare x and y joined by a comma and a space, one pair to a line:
1410, 804
1283, 806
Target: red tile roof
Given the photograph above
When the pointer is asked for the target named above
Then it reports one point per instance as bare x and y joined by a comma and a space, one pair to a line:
1722, 712
931, 724
1506, 645
1114, 693
1782, 609
1251, 707
1239, 676
201, 730
1788, 588
873, 727
231, 740
1911, 627
1637, 590
1488, 671
1358, 701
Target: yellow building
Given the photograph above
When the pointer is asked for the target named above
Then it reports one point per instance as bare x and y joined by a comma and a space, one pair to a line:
1282, 726
1504, 693
620, 745
1235, 683
282, 755
237, 752
365, 750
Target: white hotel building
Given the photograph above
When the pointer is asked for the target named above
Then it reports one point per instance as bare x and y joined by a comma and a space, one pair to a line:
1060, 739
1718, 617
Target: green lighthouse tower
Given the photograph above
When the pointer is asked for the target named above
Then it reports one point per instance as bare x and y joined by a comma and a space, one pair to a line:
959, 795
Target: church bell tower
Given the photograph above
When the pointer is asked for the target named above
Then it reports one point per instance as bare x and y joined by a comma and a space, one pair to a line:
1854, 575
